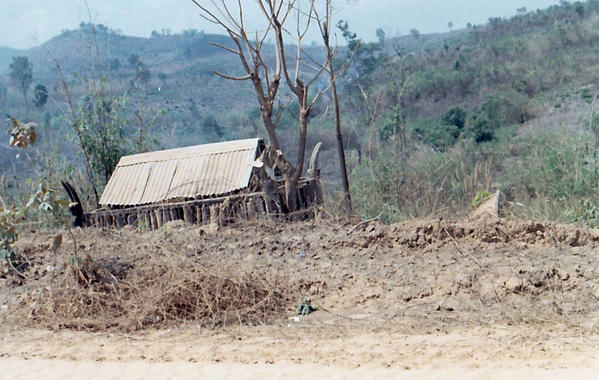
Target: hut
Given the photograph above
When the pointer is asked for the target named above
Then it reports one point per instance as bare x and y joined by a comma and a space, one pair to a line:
202, 184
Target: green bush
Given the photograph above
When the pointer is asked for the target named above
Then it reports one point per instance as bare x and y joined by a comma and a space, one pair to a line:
440, 136
455, 116
480, 128
432, 132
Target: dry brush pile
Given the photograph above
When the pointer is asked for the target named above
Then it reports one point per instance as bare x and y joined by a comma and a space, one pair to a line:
100, 289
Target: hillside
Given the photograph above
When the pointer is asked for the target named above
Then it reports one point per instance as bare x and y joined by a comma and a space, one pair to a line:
464, 106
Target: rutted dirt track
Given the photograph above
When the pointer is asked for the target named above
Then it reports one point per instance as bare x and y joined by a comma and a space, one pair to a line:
398, 301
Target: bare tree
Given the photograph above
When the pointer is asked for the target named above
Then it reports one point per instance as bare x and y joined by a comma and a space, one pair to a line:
324, 23
266, 78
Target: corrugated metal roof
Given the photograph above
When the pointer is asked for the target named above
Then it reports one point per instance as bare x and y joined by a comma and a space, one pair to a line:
191, 172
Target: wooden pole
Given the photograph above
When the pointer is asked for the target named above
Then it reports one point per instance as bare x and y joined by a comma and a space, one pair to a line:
159, 219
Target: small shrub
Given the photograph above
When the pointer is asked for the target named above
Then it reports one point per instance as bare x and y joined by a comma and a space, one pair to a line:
481, 197
440, 136
455, 116
420, 182
479, 128
506, 109
555, 175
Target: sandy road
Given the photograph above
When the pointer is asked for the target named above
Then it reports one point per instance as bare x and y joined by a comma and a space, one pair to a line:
20, 369
278, 353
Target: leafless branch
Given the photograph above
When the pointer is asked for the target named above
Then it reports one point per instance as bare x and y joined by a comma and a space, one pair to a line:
237, 52
315, 77
212, 18
281, 111
209, 19
319, 94
232, 77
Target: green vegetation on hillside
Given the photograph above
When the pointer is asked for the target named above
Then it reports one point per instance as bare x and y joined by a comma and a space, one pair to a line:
429, 120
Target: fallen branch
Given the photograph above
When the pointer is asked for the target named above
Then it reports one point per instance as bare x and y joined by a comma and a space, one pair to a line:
364, 222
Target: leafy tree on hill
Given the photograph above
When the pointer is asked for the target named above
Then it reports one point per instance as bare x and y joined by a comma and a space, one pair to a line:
114, 64
135, 61
143, 74
21, 71
480, 128
40, 95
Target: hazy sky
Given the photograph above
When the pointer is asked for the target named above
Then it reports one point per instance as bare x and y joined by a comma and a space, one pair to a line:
24, 22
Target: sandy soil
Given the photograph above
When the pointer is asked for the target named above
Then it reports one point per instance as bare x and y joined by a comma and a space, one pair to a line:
425, 299
272, 353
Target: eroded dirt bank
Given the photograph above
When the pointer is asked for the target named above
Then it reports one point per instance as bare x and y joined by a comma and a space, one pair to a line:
419, 296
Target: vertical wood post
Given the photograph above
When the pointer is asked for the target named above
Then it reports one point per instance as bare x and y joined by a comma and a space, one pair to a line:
214, 214
159, 219
188, 214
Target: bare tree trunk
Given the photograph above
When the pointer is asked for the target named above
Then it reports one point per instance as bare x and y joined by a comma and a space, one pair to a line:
340, 151
292, 186
338, 134
325, 30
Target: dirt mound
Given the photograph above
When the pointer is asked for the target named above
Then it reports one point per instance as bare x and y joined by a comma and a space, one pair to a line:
421, 275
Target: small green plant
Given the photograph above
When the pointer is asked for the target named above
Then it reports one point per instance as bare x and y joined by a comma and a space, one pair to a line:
481, 197
10, 259
588, 215
22, 135
304, 306
9, 218
141, 227
45, 198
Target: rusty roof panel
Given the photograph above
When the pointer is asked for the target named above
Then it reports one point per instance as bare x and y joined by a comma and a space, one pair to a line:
191, 172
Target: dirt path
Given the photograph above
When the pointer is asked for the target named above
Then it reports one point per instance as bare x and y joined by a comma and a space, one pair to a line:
52, 369
298, 352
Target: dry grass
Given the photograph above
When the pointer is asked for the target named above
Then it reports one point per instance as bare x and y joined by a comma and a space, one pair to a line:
155, 291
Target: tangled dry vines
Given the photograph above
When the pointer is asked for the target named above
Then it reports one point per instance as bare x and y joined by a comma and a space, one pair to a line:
155, 291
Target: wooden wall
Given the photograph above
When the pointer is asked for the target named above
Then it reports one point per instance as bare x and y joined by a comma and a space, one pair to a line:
222, 211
